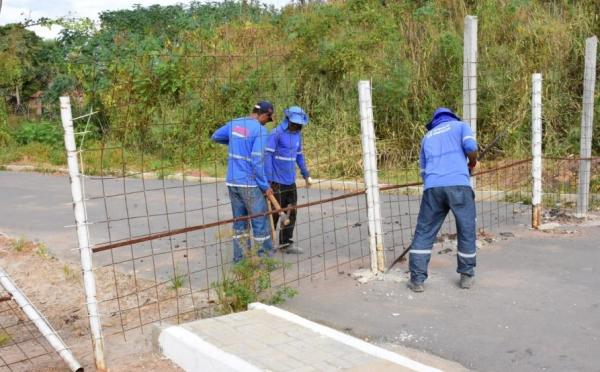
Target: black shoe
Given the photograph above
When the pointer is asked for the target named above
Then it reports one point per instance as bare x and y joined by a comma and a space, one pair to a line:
466, 281
416, 287
291, 248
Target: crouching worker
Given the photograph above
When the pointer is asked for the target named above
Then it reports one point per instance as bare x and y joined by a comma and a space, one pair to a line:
283, 153
445, 150
247, 138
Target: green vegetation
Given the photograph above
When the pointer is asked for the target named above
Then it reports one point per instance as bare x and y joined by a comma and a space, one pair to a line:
4, 338
164, 77
19, 244
42, 132
177, 281
69, 273
42, 250
518, 197
249, 281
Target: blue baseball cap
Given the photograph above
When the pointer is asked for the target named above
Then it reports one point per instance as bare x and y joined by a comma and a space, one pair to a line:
264, 107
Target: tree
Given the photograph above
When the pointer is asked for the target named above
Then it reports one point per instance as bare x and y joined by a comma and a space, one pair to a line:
20, 53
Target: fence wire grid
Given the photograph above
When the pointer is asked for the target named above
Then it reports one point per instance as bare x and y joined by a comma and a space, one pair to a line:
22, 346
159, 212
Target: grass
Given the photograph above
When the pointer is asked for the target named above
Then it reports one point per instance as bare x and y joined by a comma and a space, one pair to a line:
4, 338
69, 273
177, 281
518, 197
399, 175
42, 250
19, 244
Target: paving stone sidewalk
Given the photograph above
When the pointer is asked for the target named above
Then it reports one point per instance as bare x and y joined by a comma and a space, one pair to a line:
269, 339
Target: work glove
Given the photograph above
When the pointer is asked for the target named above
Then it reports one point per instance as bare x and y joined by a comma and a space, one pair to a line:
309, 181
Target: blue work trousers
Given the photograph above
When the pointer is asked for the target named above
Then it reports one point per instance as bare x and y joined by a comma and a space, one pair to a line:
435, 205
246, 201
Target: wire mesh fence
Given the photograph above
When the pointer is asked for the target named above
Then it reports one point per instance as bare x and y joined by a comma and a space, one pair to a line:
159, 173
162, 233
22, 346
560, 183
160, 213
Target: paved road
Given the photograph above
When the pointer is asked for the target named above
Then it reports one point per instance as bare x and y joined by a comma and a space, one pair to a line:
38, 206
535, 306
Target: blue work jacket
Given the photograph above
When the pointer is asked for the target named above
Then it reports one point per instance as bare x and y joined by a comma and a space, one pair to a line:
246, 139
283, 152
444, 148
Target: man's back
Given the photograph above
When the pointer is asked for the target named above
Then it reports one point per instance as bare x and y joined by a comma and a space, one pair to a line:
443, 152
246, 139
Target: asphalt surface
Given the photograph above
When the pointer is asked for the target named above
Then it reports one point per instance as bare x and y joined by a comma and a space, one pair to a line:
332, 234
535, 305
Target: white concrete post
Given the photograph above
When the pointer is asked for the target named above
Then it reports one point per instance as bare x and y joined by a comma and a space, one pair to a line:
536, 149
371, 178
587, 124
40, 322
82, 234
470, 76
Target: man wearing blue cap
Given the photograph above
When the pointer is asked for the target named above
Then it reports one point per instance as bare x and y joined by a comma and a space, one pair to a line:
246, 138
283, 153
447, 146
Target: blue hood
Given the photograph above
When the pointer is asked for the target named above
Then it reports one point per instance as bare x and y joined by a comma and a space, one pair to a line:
441, 115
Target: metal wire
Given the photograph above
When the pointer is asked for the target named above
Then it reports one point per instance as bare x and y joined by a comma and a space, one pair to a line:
22, 346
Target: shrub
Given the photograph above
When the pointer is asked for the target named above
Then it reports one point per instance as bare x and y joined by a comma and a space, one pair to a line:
42, 132
250, 281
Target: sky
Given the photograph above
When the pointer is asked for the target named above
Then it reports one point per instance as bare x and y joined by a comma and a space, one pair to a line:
19, 10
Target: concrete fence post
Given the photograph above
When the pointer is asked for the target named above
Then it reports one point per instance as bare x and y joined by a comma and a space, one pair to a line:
371, 178
83, 236
536, 150
587, 124
470, 76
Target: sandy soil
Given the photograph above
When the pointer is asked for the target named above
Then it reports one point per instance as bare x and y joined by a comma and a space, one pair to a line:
56, 289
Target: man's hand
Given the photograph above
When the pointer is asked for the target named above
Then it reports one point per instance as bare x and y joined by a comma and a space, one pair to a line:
472, 156
309, 181
269, 192
472, 164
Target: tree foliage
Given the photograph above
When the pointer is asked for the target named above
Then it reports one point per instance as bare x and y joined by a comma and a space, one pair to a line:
198, 65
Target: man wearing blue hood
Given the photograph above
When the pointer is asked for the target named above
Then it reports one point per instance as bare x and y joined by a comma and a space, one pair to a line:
445, 149
246, 139
283, 152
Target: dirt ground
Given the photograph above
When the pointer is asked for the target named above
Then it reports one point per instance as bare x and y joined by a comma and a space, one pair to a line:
56, 289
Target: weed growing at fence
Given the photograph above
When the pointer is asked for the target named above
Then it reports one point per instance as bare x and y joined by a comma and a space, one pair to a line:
249, 281
69, 273
177, 281
42, 250
19, 244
